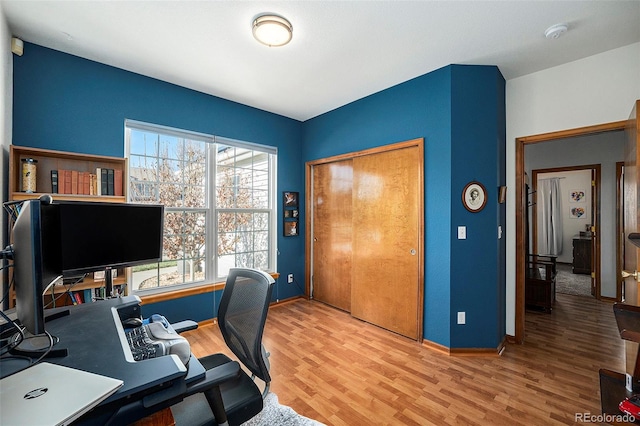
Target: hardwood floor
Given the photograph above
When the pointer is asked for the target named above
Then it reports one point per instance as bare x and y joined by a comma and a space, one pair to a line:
331, 367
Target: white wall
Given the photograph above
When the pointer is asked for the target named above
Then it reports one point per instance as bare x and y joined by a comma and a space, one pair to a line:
6, 102
595, 90
6, 107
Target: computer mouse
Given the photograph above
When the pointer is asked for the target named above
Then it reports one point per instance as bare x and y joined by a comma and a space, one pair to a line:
132, 322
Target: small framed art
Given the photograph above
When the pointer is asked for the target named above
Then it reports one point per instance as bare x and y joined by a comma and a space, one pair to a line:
291, 228
474, 197
290, 199
290, 213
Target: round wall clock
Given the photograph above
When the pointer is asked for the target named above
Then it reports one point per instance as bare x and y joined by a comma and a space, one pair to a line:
474, 197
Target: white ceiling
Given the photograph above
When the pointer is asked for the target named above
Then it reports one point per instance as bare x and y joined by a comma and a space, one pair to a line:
341, 50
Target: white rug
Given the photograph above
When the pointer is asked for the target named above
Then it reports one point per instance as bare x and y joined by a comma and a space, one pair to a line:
274, 414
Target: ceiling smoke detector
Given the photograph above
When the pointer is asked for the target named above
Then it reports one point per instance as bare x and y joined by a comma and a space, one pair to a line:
556, 31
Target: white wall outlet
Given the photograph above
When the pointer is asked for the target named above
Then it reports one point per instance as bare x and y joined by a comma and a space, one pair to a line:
289, 278
462, 232
462, 318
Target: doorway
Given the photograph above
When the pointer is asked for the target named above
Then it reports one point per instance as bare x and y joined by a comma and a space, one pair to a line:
521, 207
576, 244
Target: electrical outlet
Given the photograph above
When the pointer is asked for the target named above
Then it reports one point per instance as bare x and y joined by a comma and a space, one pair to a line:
462, 318
289, 278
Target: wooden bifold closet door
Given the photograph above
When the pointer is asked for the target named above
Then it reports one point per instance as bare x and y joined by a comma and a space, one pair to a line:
367, 236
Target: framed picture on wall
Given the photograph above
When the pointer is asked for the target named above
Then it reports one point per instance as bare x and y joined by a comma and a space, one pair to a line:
576, 212
474, 197
290, 199
291, 228
577, 196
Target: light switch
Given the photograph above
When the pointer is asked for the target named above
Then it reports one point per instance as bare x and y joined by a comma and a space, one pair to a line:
462, 232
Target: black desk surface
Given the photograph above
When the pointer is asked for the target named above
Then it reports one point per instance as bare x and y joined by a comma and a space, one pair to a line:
93, 335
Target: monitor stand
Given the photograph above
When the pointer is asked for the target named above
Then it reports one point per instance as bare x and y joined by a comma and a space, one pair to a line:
34, 346
108, 284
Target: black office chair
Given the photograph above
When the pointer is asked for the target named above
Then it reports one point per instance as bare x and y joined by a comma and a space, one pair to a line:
228, 393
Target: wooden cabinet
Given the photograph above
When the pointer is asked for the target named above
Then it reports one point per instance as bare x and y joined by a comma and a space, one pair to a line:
46, 161
582, 255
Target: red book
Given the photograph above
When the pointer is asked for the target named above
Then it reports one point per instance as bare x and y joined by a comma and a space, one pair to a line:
74, 181
80, 182
67, 182
86, 183
117, 182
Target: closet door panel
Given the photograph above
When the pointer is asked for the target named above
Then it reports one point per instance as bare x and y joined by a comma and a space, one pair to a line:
386, 245
332, 233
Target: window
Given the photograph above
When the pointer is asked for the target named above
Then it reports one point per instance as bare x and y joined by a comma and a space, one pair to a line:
219, 198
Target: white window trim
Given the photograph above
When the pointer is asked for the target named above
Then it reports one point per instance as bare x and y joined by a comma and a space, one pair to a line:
211, 208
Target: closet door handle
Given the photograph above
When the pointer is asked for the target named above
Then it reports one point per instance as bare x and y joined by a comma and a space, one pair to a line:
413, 252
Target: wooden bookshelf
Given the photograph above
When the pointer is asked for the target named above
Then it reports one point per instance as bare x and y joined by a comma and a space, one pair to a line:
48, 160
57, 291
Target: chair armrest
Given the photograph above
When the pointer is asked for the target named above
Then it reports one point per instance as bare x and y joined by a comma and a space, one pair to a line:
183, 326
215, 377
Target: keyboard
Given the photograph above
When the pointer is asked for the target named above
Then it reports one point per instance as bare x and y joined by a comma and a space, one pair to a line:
141, 345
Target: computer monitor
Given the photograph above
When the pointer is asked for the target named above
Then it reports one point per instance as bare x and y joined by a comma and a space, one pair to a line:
106, 236
55, 238
36, 261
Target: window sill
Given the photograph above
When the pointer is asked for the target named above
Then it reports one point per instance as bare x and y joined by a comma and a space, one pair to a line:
191, 291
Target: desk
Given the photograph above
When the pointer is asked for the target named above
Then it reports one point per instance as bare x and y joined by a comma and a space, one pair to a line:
93, 335
612, 392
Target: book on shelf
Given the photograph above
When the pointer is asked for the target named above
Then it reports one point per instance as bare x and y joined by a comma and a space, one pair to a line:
117, 183
76, 296
105, 182
80, 188
110, 182
74, 181
99, 181
54, 181
92, 184
100, 292
67, 181
88, 296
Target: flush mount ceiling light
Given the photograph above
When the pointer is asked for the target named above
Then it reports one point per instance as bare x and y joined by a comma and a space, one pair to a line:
556, 31
272, 30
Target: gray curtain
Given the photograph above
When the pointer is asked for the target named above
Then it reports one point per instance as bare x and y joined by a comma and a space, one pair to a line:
549, 217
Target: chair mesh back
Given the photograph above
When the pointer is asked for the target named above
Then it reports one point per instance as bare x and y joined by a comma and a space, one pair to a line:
242, 315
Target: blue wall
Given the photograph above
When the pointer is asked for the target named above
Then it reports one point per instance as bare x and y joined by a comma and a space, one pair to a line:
67, 103
477, 263
459, 111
